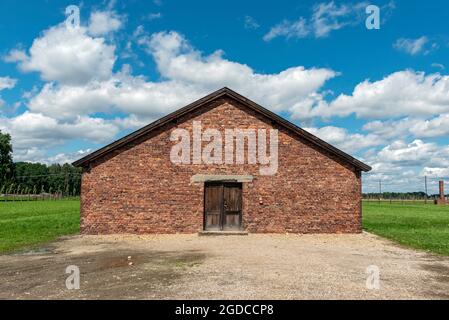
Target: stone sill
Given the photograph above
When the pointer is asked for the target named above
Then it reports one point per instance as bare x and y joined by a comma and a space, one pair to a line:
223, 233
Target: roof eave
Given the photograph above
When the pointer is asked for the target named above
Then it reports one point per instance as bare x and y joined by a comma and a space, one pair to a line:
197, 104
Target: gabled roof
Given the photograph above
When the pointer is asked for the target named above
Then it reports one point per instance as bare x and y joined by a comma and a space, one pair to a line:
224, 92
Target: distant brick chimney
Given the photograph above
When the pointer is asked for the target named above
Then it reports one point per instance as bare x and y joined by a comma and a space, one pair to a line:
442, 199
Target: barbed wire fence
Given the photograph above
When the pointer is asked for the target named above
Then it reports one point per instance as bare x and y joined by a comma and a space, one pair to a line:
410, 190
58, 186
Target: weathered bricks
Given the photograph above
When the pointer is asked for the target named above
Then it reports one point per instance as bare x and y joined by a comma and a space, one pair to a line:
137, 189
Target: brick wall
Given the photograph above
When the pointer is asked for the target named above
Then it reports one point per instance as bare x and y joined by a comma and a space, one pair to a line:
138, 190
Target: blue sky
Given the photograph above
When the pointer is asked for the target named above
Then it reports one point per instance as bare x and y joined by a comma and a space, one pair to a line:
381, 95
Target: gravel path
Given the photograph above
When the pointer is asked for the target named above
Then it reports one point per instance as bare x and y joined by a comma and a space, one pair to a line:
224, 267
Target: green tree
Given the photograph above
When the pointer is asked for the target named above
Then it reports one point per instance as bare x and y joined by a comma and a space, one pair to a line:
6, 163
31, 174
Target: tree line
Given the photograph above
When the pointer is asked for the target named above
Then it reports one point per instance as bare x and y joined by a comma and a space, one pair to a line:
399, 195
35, 178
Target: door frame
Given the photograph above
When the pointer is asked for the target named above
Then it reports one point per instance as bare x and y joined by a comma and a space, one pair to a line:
222, 184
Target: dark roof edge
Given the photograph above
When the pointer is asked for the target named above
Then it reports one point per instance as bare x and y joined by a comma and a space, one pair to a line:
222, 92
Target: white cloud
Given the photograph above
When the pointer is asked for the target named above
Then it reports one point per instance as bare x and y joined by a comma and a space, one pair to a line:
411, 154
251, 23
438, 65
66, 157
326, 17
390, 129
154, 16
187, 75
436, 127
36, 130
7, 83
289, 29
435, 172
33, 154
177, 61
341, 138
120, 93
414, 154
414, 46
404, 93
104, 22
69, 56
15, 55
401, 166
133, 122
37, 155
65, 108
420, 128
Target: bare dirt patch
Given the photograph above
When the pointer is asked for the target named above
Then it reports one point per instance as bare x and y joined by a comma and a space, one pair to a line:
231, 267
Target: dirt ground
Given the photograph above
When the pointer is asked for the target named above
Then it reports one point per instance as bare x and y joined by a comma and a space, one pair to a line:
224, 267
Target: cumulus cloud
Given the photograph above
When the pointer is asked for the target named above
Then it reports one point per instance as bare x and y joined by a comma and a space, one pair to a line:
349, 142
66, 157
36, 130
409, 154
390, 129
435, 127
71, 104
414, 154
420, 128
104, 22
404, 93
401, 166
414, 47
37, 155
120, 93
178, 61
187, 75
69, 56
436, 172
67, 106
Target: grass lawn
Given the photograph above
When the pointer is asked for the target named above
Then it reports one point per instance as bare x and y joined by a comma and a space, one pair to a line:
29, 223
418, 226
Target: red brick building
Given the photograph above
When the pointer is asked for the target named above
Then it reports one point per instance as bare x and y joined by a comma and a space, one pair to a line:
133, 186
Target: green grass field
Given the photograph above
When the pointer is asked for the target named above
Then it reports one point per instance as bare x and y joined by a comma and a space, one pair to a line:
28, 223
426, 227
417, 226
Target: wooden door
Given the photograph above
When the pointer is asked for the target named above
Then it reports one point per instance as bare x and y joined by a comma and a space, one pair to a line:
213, 203
232, 206
222, 206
